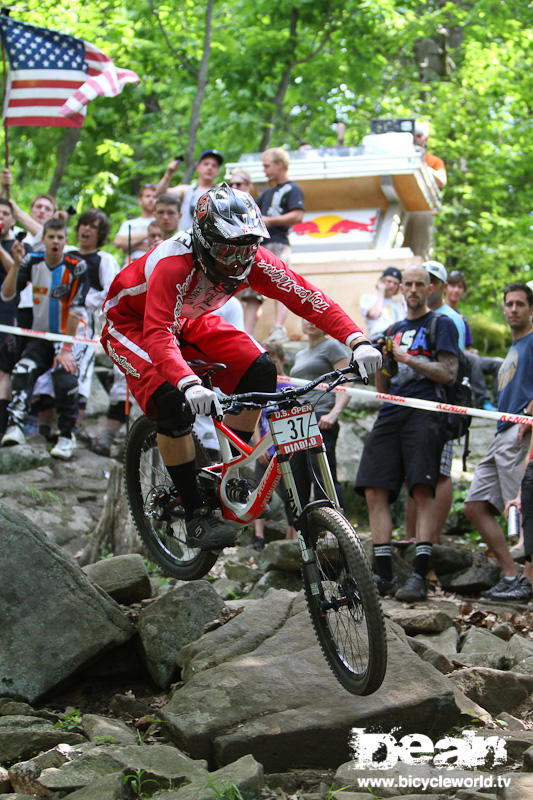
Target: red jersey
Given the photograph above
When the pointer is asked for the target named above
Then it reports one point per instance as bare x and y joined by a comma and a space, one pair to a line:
150, 299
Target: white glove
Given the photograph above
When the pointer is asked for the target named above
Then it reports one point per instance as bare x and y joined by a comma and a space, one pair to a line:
202, 400
366, 359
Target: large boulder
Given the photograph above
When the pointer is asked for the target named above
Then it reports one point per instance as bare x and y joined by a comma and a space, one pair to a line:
260, 685
53, 618
171, 622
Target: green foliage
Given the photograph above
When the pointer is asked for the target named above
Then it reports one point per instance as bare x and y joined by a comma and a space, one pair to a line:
71, 721
43, 497
141, 784
105, 740
286, 71
490, 337
226, 791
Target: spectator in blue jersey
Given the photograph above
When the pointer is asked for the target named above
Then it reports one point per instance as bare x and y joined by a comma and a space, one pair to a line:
498, 475
405, 443
60, 285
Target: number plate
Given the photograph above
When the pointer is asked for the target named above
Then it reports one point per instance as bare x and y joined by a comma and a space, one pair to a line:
294, 430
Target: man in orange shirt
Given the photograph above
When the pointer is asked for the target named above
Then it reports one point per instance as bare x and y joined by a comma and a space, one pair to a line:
435, 164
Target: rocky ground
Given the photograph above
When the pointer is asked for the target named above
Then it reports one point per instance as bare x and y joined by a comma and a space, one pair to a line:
117, 682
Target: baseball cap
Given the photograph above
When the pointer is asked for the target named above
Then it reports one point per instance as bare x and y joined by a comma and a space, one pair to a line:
394, 272
214, 154
422, 127
436, 269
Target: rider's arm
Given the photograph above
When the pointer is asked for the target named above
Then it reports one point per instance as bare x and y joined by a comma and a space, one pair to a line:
271, 277
168, 284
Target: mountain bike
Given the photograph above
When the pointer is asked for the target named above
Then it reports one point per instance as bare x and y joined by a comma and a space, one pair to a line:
339, 587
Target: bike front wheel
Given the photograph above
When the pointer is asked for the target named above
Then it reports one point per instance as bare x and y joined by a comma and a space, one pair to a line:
156, 507
343, 602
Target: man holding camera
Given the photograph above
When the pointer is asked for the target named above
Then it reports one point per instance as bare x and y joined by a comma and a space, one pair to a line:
405, 444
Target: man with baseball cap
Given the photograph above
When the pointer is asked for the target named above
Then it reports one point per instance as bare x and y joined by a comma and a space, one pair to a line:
385, 306
207, 169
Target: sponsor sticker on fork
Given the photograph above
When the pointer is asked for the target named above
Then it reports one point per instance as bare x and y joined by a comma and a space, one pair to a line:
295, 429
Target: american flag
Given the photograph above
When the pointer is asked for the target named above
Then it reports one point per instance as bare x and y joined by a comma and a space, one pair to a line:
52, 76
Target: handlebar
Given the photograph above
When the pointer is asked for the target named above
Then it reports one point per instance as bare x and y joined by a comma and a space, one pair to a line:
236, 403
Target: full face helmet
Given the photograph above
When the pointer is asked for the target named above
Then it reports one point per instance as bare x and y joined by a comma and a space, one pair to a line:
226, 231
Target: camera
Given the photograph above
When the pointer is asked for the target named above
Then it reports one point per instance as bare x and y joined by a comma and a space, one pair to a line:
70, 210
20, 236
384, 345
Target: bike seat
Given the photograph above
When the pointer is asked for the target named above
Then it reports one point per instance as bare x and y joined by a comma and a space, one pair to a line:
204, 368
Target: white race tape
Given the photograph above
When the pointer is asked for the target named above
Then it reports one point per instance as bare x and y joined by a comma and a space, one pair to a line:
53, 337
414, 402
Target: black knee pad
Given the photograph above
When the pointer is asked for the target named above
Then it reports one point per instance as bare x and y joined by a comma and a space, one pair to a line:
260, 376
171, 412
21, 374
65, 386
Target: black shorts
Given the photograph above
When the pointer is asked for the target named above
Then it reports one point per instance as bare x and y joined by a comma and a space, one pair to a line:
405, 445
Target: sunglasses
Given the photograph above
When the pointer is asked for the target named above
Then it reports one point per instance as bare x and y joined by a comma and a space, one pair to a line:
237, 184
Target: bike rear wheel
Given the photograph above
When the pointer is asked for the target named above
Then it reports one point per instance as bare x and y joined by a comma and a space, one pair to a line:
343, 602
156, 508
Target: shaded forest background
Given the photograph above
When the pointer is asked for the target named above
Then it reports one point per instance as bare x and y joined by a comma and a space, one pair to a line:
247, 74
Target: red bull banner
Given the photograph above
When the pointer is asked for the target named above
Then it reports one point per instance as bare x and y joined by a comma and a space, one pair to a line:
335, 230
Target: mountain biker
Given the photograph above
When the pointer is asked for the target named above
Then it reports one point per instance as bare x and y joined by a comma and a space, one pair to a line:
157, 318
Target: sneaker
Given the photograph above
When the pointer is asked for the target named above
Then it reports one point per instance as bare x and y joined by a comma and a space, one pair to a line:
384, 586
13, 435
278, 334
518, 589
206, 531
413, 589
64, 449
257, 543
488, 407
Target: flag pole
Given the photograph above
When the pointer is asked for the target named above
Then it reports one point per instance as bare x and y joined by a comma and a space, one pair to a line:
5, 12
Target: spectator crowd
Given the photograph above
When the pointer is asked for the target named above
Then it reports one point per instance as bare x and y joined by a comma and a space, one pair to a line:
57, 288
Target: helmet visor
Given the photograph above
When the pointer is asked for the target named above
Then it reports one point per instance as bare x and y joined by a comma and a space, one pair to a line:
233, 254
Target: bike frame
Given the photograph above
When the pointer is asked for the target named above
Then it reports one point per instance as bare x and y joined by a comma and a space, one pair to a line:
278, 469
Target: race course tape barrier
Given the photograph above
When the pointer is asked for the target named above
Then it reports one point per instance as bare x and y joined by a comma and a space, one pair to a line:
414, 402
52, 337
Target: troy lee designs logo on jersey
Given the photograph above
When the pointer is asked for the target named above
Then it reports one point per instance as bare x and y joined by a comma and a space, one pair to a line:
286, 284
123, 362
182, 289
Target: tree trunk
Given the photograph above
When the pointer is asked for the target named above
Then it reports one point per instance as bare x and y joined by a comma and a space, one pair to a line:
201, 83
115, 531
277, 103
66, 148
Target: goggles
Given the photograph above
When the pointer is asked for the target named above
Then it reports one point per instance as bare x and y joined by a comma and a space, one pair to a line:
233, 254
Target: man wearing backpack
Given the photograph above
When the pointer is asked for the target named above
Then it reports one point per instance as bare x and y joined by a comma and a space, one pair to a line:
498, 475
444, 490
405, 444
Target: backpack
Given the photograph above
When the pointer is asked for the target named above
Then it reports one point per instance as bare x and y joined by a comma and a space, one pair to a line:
459, 393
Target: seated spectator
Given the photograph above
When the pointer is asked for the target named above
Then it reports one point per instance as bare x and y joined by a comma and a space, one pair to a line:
321, 355
386, 305
59, 288
479, 365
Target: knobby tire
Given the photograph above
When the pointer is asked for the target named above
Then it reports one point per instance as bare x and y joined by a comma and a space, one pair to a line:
156, 510
344, 603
